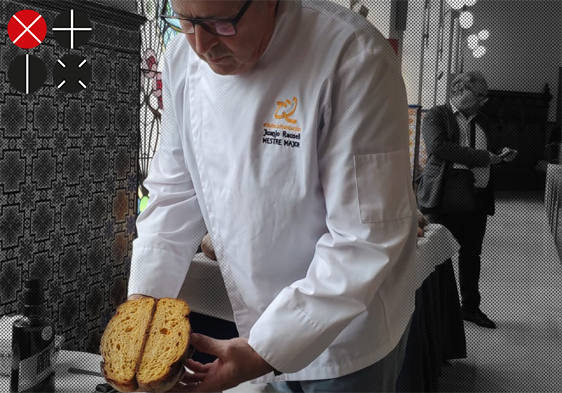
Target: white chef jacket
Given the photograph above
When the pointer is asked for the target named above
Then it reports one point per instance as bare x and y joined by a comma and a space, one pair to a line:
299, 170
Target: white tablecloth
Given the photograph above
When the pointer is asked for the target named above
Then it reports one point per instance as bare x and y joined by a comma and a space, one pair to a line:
205, 293
66, 382
204, 289
437, 245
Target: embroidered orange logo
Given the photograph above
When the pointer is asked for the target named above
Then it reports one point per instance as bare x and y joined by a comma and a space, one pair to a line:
286, 109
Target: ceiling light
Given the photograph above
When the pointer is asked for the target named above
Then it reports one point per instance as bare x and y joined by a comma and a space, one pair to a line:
466, 19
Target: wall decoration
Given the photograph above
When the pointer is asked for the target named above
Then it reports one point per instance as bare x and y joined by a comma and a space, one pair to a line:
68, 173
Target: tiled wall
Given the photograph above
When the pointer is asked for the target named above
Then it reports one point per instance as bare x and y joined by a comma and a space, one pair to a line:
68, 176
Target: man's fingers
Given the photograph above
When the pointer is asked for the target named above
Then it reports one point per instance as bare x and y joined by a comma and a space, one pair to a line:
206, 344
205, 386
197, 366
184, 387
190, 378
186, 384
193, 378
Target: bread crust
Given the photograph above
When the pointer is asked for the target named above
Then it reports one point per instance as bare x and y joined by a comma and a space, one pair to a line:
167, 382
122, 387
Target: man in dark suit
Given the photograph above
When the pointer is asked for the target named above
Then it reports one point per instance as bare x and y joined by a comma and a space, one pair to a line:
457, 136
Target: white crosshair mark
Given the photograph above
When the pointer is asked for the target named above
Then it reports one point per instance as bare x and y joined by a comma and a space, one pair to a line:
27, 29
27, 74
64, 81
72, 29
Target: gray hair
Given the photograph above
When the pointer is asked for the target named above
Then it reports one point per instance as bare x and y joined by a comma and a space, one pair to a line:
467, 80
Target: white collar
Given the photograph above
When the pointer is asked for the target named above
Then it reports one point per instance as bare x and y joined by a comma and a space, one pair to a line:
455, 111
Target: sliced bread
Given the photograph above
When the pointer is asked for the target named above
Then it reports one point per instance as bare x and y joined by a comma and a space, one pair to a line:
163, 330
167, 346
123, 340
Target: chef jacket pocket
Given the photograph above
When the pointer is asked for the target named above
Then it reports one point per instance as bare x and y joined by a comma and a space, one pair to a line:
384, 186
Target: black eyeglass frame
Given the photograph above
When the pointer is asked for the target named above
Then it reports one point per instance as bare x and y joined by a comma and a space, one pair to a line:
201, 21
482, 98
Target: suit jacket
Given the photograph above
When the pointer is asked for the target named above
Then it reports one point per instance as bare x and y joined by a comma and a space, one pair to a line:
440, 132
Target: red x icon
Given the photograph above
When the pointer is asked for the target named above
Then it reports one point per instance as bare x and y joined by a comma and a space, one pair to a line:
27, 29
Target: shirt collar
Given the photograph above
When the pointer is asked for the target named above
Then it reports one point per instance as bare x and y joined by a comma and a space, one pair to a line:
456, 111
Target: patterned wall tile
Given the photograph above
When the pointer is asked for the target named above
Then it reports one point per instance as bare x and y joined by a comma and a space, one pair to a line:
68, 170
12, 116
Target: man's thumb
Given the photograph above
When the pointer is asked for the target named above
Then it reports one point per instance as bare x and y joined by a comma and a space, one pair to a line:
206, 344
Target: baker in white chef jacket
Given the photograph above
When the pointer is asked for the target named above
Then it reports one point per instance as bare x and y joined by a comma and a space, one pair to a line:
285, 137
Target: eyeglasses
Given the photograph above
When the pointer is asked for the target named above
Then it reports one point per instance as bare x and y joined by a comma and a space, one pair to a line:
482, 98
220, 27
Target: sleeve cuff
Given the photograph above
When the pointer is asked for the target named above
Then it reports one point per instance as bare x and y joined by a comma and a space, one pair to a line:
264, 338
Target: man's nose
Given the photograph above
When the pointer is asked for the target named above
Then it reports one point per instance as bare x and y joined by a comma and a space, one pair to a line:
204, 40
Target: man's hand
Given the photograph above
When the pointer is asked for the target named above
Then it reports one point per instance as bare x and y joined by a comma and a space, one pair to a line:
495, 159
422, 220
508, 154
207, 247
236, 362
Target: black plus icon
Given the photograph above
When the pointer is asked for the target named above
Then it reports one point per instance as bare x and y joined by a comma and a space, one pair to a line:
72, 29
72, 73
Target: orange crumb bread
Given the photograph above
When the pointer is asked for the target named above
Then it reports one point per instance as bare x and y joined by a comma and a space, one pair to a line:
145, 344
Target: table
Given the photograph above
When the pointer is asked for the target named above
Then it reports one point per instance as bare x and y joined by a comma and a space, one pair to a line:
553, 203
436, 247
206, 294
66, 382
204, 289
437, 330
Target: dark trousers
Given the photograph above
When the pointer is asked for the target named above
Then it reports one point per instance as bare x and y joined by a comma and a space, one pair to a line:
469, 230
378, 377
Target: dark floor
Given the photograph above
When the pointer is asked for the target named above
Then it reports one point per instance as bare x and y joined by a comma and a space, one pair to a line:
521, 285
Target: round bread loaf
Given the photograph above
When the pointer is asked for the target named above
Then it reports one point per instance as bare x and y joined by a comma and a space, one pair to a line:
145, 344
